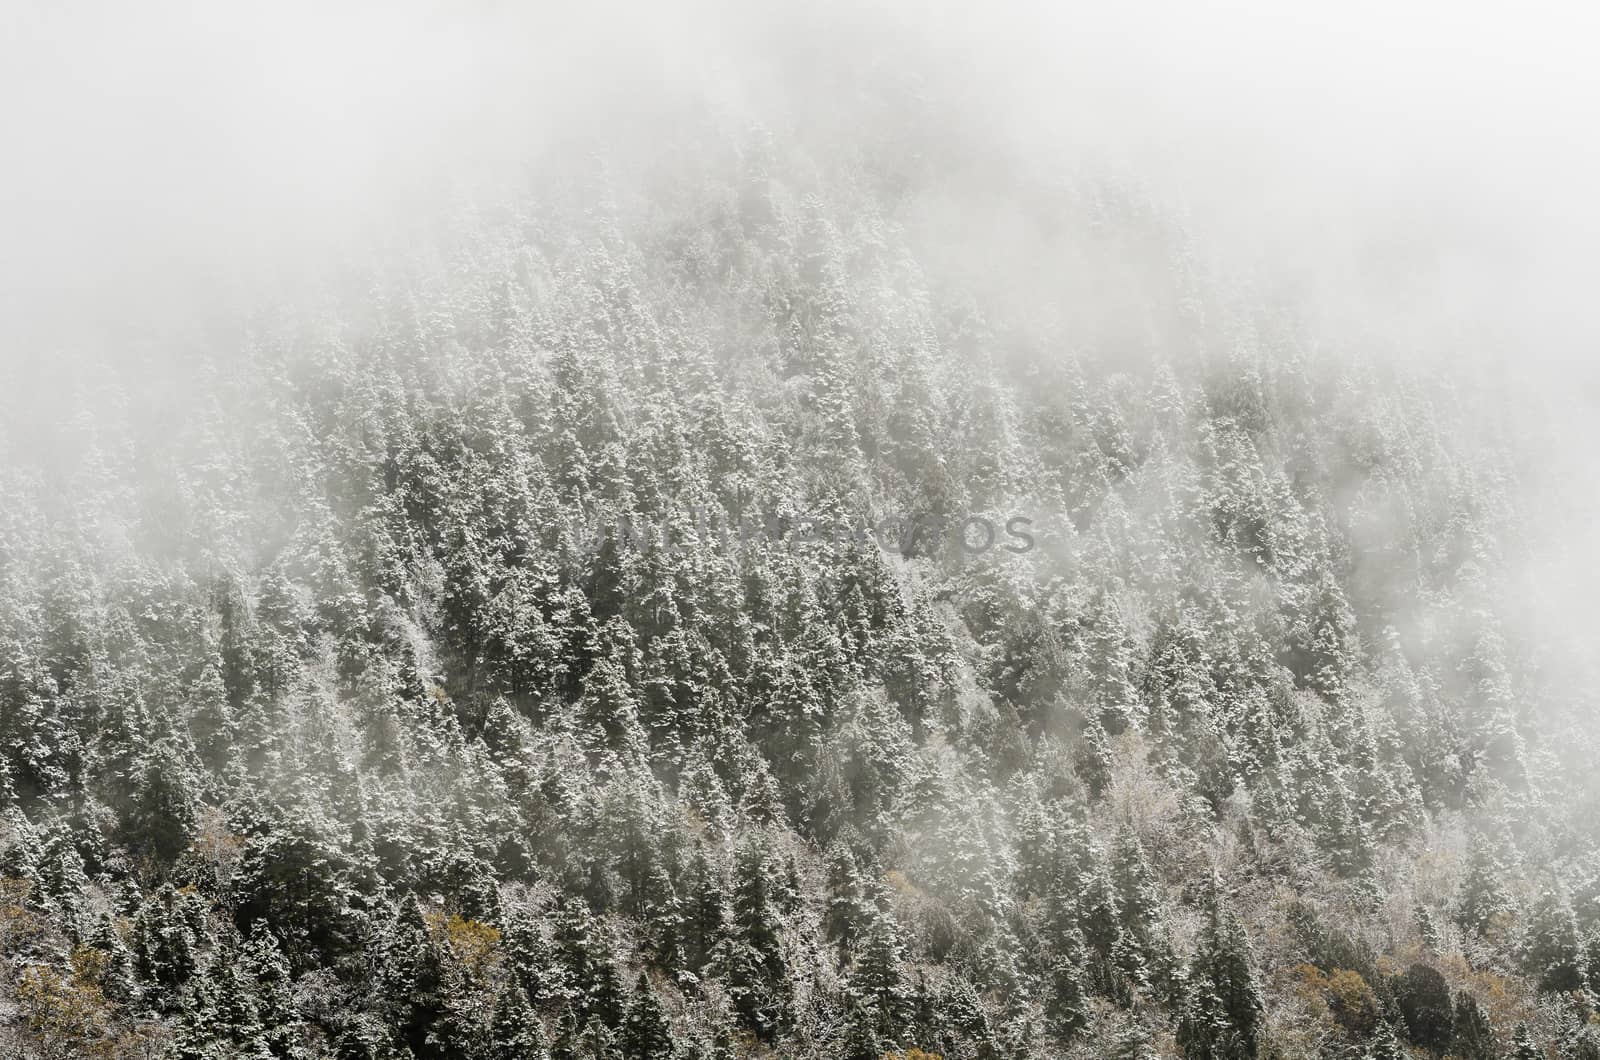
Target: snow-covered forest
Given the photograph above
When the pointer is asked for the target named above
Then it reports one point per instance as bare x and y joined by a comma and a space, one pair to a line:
832, 584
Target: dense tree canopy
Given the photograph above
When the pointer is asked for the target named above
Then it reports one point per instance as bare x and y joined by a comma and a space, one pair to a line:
575, 640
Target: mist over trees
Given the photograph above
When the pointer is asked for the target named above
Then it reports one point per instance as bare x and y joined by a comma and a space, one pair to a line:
487, 651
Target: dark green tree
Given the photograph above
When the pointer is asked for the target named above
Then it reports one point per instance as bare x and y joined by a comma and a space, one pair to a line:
1424, 1001
755, 968
1471, 1036
514, 1033
1222, 1013
645, 1034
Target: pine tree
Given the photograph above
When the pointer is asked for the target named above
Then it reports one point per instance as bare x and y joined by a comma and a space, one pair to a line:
645, 1034
1491, 713
1427, 929
414, 979
1222, 1014
296, 879
264, 964
116, 969
1066, 1001
211, 718
1481, 899
707, 917
1551, 952
599, 1042
608, 709
1322, 647
164, 944
861, 1038
1111, 661
236, 1020
755, 968
194, 1031
1424, 1002
1384, 1045
567, 1045
967, 1029
1472, 1038
594, 981
847, 905
158, 820
514, 1033
1141, 951
62, 882
876, 980
1523, 1044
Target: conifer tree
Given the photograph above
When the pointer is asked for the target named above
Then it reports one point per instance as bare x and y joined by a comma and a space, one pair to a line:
514, 1033
1523, 1044
1141, 951
116, 972
645, 1033
1472, 1038
1424, 1002
1222, 1014
414, 978
876, 978
164, 943
1066, 1004
264, 964
594, 983
847, 905
754, 965
706, 920
236, 1019
1384, 1044
861, 1038
1482, 897
1552, 952
211, 719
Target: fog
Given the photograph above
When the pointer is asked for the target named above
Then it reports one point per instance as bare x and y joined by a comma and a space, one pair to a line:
1423, 169
238, 528
1416, 178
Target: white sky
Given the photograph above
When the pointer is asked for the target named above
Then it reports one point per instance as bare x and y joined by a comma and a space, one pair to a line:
1423, 166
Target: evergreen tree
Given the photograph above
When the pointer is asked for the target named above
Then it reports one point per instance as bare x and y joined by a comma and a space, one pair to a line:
1551, 952
515, 1033
414, 980
115, 977
707, 917
876, 979
1384, 1044
755, 968
1140, 951
236, 1021
861, 1038
847, 907
594, 983
264, 964
1066, 1004
1222, 1014
1523, 1044
1472, 1038
164, 943
645, 1034
1482, 897
1424, 1002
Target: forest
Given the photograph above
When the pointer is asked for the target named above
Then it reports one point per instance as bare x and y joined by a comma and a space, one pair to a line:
507, 651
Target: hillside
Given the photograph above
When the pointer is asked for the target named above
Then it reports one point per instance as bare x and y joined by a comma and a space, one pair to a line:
782, 599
